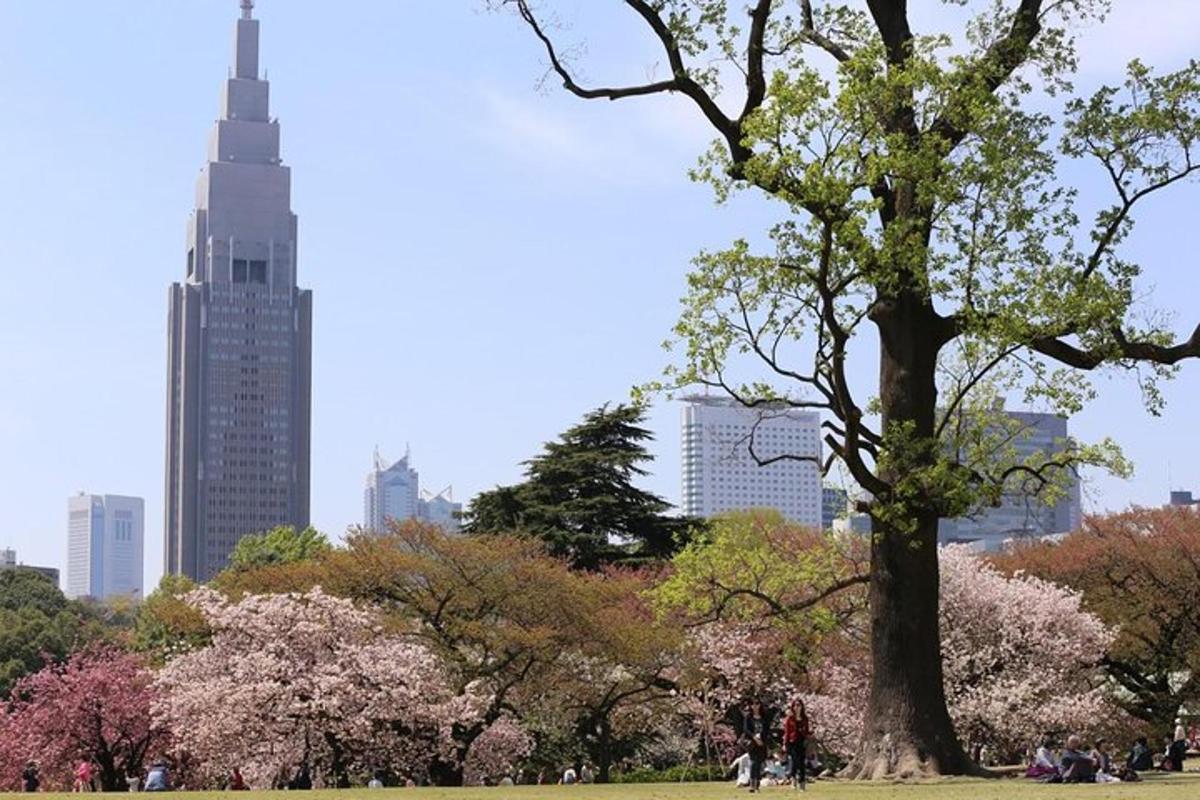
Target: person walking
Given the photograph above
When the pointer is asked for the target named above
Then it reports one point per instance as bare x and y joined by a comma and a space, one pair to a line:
796, 733
757, 729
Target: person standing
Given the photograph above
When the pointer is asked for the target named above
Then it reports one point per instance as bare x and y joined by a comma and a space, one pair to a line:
796, 733
757, 729
83, 776
30, 780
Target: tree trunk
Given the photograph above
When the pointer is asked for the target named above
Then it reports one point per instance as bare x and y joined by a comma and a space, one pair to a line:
907, 732
604, 752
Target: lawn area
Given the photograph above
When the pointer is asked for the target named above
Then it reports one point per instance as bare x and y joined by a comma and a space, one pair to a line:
1178, 787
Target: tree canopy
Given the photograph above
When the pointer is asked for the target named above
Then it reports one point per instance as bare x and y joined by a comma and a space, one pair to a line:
280, 545
38, 624
924, 215
1138, 571
580, 499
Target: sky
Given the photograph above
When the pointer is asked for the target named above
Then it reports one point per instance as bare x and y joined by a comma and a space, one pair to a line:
490, 258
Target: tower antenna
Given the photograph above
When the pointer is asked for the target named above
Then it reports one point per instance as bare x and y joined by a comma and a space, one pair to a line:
247, 9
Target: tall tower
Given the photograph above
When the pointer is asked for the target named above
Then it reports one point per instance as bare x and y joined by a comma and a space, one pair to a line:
239, 358
104, 546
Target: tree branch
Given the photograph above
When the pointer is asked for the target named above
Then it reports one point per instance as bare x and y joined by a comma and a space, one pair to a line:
1123, 349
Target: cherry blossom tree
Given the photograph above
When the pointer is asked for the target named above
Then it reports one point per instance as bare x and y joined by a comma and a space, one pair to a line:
95, 707
1020, 655
307, 680
497, 750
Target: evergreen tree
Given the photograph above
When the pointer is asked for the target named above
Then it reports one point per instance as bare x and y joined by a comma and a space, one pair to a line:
579, 497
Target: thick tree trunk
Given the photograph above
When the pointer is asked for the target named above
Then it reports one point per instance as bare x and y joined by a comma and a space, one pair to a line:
907, 732
604, 752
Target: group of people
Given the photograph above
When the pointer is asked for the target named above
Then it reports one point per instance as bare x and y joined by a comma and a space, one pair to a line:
1079, 764
157, 778
754, 767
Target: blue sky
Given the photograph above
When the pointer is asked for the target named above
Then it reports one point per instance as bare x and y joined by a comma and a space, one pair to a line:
489, 260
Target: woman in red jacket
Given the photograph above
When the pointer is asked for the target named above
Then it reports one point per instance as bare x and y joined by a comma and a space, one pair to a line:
795, 736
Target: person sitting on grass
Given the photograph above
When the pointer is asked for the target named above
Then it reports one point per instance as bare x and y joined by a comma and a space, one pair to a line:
1141, 757
1075, 765
1043, 763
1103, 762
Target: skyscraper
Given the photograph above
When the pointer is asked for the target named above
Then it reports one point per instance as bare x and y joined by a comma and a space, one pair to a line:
394, 493
239, 364
1023, 514
721, 439
105, 535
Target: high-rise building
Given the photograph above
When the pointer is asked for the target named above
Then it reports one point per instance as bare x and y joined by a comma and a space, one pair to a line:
394, 493
1023, 514
240, 340
8, 558
723, 445
105, 535
441, 509
833, 505
1182, 498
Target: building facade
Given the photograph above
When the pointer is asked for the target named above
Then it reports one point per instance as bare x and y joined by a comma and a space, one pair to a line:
8, 560
394, 493
105, 542
240, 340
723, 445
1022, 514
834, 505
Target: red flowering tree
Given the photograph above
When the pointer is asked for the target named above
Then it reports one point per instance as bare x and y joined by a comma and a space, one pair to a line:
95, 707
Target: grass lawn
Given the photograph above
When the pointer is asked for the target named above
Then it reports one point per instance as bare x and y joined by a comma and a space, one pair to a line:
1156, 787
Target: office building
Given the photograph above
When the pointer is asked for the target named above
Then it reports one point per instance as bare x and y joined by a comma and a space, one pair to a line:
8, 560
105, 535
834, 504
1022, 513
394, 493
1183, 499
240, 340
737, 458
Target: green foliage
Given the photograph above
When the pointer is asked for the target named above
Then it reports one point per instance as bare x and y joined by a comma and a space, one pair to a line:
918, 171
166, 625
680, 773
579, 496
281, 545
37, 623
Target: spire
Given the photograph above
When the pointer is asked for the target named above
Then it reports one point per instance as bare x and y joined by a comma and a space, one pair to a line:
246, 44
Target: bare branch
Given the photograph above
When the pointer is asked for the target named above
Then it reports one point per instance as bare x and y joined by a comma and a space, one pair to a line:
1123, 350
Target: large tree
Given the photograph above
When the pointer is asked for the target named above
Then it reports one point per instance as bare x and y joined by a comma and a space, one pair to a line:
918, 178
38, 624
94, 707
311, 681
579, 497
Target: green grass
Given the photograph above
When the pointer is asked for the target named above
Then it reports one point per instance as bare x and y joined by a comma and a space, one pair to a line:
1156, 787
